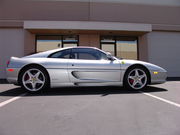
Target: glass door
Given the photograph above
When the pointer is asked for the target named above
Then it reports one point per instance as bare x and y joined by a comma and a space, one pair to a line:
108, 44
121, 47
126, 47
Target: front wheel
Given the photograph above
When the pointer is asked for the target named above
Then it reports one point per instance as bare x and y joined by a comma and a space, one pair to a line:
136, 78
34, 79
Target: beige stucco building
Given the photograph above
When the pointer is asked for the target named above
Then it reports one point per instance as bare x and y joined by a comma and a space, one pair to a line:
137, 29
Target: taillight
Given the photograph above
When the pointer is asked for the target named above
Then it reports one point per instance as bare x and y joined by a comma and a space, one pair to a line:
8, 62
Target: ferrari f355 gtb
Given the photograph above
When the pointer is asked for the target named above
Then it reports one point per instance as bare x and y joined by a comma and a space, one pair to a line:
81, 66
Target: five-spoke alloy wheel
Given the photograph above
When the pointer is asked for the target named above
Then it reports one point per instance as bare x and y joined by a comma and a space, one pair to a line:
136, 78
34, 79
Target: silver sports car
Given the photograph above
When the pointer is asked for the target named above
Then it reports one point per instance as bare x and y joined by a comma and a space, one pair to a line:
81, 66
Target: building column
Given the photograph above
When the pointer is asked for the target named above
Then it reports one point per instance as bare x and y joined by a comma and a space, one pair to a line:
29, 43
143, 47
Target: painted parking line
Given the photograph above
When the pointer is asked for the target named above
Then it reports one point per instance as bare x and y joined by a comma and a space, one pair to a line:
147, 94
161, 99
12, 99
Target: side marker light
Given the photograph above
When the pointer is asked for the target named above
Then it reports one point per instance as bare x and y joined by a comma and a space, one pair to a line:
10, 70
155, 73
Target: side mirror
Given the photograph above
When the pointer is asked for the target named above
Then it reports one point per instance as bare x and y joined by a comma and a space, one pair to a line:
110, 57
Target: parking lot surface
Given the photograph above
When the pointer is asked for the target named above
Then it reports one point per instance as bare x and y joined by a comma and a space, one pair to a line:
91, 111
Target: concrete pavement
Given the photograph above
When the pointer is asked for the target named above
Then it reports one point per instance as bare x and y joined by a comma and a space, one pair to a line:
91, 111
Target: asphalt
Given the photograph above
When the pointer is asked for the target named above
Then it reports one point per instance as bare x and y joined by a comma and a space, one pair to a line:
91, 111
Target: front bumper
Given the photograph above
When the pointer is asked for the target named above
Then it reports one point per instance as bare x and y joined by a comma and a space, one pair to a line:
158, 77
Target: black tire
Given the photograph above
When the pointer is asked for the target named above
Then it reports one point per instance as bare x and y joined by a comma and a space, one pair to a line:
43, 74
129, 84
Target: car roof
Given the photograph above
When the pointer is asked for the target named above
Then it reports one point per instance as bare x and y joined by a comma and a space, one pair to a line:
80, 47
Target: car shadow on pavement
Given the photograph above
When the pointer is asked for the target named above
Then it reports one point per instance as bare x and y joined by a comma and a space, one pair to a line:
73, 91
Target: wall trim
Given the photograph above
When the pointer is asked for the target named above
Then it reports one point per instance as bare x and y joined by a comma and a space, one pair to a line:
164, 27
11, 24
87, 25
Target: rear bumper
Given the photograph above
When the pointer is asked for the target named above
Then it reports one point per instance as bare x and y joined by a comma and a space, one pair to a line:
12, 76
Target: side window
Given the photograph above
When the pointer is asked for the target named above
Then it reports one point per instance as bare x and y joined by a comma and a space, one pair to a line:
85, 54
103, 56
64, 54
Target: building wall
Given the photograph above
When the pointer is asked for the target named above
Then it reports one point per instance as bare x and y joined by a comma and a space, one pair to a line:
11, 44
164, 50
89, 40
135, 13
91, 10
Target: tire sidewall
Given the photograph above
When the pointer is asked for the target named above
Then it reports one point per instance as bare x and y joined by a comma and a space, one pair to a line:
125, 81
46, 84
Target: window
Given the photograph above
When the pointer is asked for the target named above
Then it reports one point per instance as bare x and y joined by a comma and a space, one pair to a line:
103, 56
64, 54
49, 42
70, 41
108, 44
109, 48
126, 47
80, 53
122, 47
87, 54
45, 43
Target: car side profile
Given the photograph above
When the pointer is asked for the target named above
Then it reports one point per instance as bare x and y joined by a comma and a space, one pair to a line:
81, 66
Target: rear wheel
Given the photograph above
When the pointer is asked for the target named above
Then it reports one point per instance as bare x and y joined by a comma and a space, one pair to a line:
136, 78
34, 79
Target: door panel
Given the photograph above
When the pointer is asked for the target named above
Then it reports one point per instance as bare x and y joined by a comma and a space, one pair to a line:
93, 71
